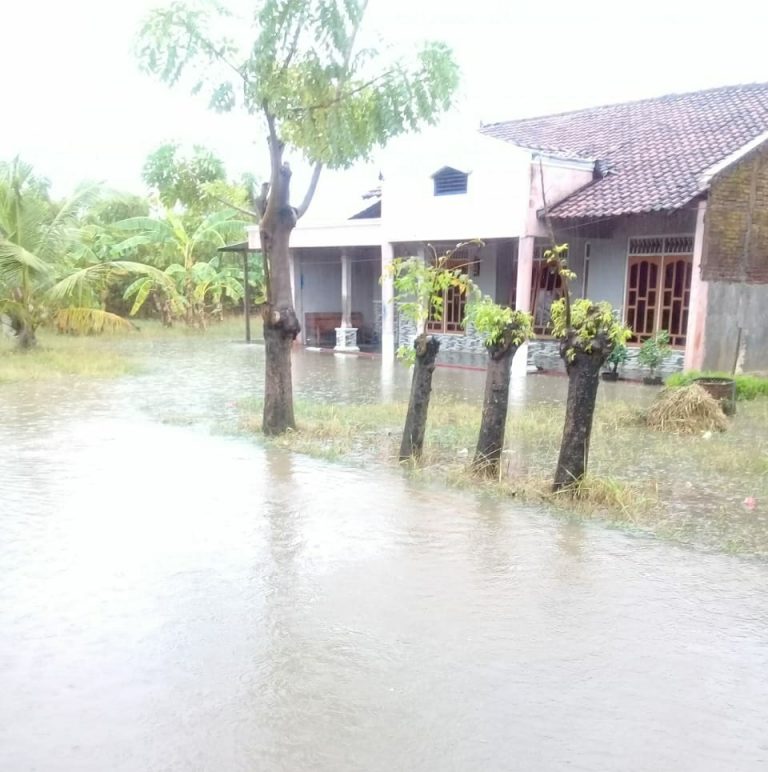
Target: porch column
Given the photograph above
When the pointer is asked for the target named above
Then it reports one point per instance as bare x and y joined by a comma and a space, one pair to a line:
346, 335
421, 254
298, 294
387, 302
523, 296
697, 306
346, 289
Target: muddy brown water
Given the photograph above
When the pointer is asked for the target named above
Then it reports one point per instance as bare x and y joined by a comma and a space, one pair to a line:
174, 599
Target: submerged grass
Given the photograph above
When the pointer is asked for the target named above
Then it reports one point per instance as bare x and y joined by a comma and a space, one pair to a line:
690, 488
58, 356
231, 327
97, 356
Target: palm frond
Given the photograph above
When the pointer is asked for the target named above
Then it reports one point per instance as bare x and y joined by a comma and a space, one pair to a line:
14, 309
14, 259
83, 282
88, 321
55, 232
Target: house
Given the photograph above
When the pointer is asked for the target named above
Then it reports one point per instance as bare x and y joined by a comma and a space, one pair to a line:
663, 203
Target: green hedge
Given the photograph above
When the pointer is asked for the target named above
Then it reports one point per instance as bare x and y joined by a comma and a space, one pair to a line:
747, 386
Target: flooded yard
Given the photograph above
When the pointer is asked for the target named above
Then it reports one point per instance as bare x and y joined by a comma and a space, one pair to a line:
173, 598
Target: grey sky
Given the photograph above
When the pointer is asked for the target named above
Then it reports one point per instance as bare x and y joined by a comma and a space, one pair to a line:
76, 106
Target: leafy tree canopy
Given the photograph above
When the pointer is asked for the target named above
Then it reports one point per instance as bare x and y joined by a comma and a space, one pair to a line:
302, 71
178, 178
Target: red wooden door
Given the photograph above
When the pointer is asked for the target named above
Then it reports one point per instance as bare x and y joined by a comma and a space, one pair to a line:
658, 295
643, 295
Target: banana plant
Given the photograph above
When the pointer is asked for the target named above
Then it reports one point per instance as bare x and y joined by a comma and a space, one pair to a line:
191, 285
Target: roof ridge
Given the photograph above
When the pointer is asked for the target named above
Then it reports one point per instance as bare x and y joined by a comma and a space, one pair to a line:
644, 100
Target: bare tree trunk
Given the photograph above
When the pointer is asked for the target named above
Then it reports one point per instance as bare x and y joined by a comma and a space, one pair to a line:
281, 325
490, 442
583, 380
421, 389
25, 337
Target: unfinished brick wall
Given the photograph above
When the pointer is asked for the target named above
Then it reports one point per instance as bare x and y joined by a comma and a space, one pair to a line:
736, 240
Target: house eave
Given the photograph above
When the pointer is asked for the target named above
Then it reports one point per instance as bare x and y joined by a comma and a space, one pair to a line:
348, 233
729, 160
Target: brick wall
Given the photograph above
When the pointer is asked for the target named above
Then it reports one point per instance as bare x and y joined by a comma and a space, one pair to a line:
736, 235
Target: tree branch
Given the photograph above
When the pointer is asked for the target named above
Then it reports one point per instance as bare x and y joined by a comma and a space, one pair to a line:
302, 210
341, 97
256, 216
262, 198
294, 43
212, 50
275, 150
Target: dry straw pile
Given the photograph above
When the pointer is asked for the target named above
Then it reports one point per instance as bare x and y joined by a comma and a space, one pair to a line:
687, 410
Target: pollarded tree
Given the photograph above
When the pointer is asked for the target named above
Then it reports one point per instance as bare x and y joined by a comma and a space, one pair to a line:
421, 288
314, 89
588, 332
504, 330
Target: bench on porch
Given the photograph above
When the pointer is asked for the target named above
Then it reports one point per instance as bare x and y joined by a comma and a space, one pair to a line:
320, 326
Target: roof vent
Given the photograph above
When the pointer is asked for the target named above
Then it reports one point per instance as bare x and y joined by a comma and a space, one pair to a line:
450, 182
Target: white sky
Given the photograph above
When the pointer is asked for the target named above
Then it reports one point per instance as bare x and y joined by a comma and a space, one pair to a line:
75, 105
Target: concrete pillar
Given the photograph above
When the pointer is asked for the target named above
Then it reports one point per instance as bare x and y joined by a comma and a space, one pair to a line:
254, 237
346, 289
298, 293
346, 335
697, 307
523, 296
292, 273
387, 302
524, 273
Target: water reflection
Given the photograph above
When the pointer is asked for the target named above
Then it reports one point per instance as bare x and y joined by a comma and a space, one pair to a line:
172, 599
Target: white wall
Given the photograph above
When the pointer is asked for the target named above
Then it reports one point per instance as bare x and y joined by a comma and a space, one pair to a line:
320, 282
561, 177
494, 205
365, 287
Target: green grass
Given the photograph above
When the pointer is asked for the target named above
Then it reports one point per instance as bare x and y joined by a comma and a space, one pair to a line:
747, 386
61, 356
687, 488
231, 327
58, 356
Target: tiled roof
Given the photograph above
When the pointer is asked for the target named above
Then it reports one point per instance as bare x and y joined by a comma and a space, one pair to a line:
653, 152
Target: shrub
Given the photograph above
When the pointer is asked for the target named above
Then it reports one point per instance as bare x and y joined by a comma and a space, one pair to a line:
654, 351
747, 386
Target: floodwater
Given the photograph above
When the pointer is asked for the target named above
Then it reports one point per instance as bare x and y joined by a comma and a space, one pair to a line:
174, 599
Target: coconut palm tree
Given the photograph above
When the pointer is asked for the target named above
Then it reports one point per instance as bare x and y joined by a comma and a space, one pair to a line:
46, 274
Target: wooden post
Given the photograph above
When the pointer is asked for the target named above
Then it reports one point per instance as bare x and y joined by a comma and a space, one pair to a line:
246, 301
695, 340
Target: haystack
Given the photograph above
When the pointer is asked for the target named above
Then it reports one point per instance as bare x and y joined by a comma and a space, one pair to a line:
687, 410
